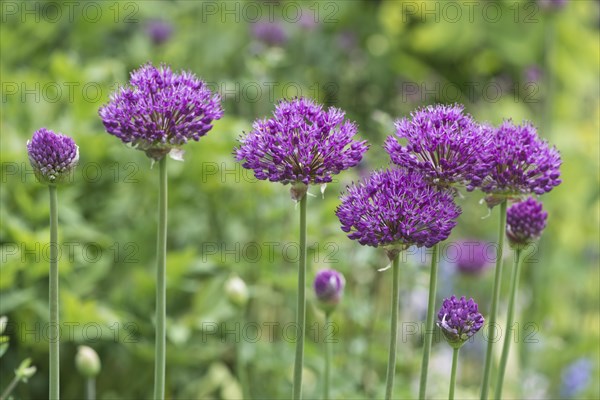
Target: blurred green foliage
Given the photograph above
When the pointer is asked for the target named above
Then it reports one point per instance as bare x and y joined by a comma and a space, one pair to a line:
378, 60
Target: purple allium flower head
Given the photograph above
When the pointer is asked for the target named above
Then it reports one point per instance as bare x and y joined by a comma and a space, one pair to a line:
576, 377
396, 209
459, 319
270, 33
443, 144
161, 110
525, 222
519, 163
533, 73
301, 144
329, 287
159, 31
472, 257
52, 156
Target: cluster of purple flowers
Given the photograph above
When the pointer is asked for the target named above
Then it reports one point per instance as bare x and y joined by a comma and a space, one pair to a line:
459, 320
525, 222
52, 156
301, 143
161, 110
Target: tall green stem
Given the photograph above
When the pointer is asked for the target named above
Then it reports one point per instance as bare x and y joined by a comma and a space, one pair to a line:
301, 306
90, 389
495, 298
161, 287
53, 286
391, 367
11, 386
430, 322
453, 374
509, 322
327, 360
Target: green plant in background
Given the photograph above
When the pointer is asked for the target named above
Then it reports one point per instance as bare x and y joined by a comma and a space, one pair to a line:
53, 158
25, 369
302, 145
158, 114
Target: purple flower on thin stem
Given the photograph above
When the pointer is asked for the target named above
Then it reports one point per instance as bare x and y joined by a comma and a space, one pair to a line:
443, 144
159, 31
301, 144
397, 209
161, 110
525, 222
519, 163
459, 320
329, 287
472, 258
52, 156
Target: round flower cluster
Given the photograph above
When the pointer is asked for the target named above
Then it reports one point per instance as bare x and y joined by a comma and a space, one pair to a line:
52, 156
161, 110
525, 222
459, 319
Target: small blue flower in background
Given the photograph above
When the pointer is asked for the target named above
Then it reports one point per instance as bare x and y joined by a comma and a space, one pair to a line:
576, 377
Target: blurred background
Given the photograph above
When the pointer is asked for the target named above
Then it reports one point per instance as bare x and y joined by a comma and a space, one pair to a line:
377, 60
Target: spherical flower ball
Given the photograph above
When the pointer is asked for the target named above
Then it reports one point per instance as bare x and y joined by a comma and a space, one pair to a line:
459, 320
301, 144
443, 143
472, 257
525, 222
519, 163
161, 110
53, 156
395, 209
159, 31
329, 287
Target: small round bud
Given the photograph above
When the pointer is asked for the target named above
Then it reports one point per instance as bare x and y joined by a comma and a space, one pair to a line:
525, 222
53, 156
459, 319
329, 288
25, 370
87, 361
236, 291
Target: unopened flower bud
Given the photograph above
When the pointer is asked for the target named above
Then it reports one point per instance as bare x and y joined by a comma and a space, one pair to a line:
237, 291
53, 156
329, 288
87, 361
25, 370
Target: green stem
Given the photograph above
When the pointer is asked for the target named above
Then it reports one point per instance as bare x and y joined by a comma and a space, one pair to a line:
90, 389
495, 298
391, 367
53, 286
430, 320
301, 306
327, 360
509, 322
13, 384
161, 287
240, 365
453, 374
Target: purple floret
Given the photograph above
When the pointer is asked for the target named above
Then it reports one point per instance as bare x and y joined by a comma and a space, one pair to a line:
459, 320
52, 155
161, 110
301, 143
525, 221
519, 162
443, 144
397, 208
